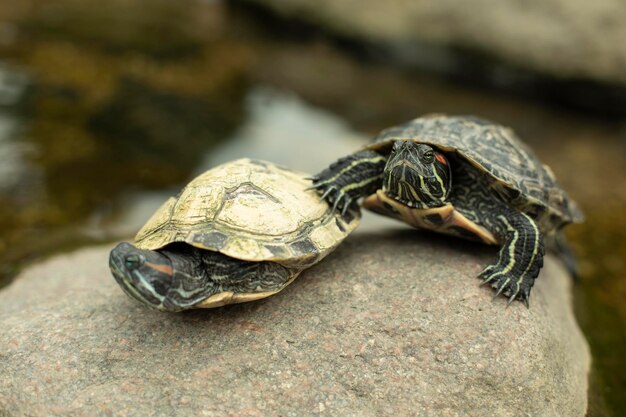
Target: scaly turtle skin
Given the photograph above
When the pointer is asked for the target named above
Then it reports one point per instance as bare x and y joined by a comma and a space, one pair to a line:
462, 176
239, 232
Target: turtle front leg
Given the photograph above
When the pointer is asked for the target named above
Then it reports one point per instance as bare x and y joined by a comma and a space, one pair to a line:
520, 258
350, 178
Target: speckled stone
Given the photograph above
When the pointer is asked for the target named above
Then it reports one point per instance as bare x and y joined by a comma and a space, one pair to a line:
392, 323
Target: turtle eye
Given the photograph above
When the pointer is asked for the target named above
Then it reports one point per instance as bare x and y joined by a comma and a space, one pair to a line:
132, 261
429, 157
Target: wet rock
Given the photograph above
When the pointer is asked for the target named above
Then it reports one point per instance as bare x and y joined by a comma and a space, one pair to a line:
565, 38
392, 323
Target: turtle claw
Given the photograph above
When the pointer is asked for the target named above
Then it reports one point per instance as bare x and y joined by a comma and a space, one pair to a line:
524, 297
486, 276
509, 284
511, 298
485, 281
503, 283
327, 192
349, 179
333, 196
500, 289
315, 186
345, 208
337, 204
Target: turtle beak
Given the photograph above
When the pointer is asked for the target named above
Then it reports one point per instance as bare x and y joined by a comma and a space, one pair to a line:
116, 262
122, 274
142, 280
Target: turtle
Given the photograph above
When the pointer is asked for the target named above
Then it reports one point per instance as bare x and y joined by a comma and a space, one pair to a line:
463, 176
239, 232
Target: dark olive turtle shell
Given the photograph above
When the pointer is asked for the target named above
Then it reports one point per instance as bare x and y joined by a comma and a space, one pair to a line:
519, 176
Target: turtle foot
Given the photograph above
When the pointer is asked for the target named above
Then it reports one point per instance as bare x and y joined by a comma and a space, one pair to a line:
350, 178
508, 284
520, 258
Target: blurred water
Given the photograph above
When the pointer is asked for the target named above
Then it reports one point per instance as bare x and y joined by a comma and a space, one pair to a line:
12, 85
282, 128
13, 165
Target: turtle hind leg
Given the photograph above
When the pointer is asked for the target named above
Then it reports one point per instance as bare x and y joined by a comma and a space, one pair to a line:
350, 178
520, 259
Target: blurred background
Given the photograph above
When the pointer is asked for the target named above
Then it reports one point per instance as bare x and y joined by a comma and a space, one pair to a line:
107, 108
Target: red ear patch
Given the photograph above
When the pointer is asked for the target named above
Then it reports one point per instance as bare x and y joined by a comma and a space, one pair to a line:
167, 270
441, 158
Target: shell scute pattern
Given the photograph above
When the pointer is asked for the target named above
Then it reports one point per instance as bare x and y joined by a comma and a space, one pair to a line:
240, 204
518, 175
250, 210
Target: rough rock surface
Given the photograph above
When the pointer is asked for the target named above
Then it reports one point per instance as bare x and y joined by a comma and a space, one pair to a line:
567, 38
393, 323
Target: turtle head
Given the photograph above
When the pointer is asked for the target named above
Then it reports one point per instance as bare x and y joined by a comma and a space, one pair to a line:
417, 175
145, 275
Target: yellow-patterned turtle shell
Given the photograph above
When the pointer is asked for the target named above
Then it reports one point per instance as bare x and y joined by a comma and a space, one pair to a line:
253, 211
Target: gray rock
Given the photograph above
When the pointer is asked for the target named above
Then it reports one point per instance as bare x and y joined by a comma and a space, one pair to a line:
392, 323
566, 38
